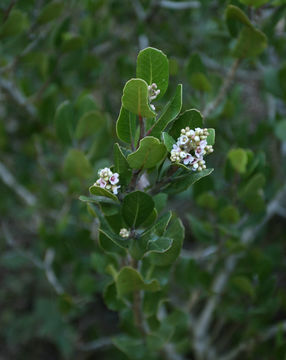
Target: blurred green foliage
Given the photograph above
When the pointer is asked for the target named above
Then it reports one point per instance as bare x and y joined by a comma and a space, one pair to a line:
63, 65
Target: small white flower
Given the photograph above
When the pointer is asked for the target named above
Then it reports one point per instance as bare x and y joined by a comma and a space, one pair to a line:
183, 155
114, 179
188, 159
115, 189
183, 139
101, 183
124, 233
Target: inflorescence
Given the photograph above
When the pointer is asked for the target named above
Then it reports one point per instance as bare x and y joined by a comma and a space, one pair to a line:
191, 147
152, 94
124, 233
108, 180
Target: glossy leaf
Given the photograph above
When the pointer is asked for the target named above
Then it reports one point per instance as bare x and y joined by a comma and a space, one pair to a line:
192, 118
97, 190
136, 208
183, 182
149, 154
130, 280
121, 166
135, 98
168, 141
153, 67
126, 126
171, 110
211, 137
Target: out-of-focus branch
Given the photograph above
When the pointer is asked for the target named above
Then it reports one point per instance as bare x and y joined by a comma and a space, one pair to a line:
19, 189
264, 336
8, 10
248, 236
17, 97
45, 265
179, 5
223, 90
104, 342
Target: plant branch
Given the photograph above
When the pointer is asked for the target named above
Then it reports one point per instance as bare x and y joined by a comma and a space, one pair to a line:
98, 344
19, 189
17, 97
223, 90
248, 236
262, 337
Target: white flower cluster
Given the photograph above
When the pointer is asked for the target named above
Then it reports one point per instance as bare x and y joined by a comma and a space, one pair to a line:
191, 147
108, 180
124, 233
152, 94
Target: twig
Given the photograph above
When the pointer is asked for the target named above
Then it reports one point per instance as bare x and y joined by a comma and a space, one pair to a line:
19, 189
51, 276
180, 5
223, 90
96, 344
264, 336
8, 10
45, 265
18, 98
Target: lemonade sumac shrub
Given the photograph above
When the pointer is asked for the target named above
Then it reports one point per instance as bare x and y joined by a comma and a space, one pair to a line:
169, 261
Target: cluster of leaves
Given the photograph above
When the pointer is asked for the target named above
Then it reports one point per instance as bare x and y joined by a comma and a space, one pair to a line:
69, 289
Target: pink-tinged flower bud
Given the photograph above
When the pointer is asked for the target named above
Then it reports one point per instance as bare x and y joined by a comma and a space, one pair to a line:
101, 183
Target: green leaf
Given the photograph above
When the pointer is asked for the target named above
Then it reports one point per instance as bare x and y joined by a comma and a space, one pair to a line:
243, 284
129, 280
77, 165
109, 246
151, 219
126, 126
174, 231
183, 182
171, 110
200, 82
135, 98
159, 245
233, 15
98, 199
238, 159
255, 183
134, 348
97, 190
211, 136
150, 153
111, 299
116, 239
280, 130
89, 124
51, 11
71, 42
16, 23
153, 67
121, 166
250, 43
192, 118
229, 214
168, 141
136, 208
64, 122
